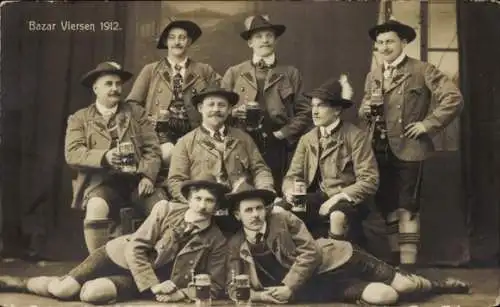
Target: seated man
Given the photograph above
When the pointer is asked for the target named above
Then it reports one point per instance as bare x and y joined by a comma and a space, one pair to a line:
335, 165
116, 152
217, 150
283, 262
174, 242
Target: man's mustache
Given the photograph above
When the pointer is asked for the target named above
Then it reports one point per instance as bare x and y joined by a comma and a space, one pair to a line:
178, 46
113, 94
218, 114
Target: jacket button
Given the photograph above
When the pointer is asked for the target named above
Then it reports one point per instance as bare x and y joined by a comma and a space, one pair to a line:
401, 136
242, 89
157, 103
398, 106
186, 277
160, 90
191, 261
400, 121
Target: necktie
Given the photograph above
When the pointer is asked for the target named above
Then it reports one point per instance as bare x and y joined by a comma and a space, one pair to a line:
190, 228
389, 71
259, 238
218, 136
177, 83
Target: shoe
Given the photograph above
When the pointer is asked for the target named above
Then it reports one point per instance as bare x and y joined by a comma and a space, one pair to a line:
12, 284
450, 286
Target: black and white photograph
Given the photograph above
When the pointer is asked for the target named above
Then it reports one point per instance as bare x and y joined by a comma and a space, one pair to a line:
250, 153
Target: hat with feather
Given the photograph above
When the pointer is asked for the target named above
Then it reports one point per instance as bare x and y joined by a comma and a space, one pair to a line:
105, 68
260, 22
404, 31
335, 92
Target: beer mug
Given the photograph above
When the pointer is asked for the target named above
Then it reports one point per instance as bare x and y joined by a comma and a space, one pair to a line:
299, 194
377, 103
241, 286
162, 119
201, 284
253, 115
128, 163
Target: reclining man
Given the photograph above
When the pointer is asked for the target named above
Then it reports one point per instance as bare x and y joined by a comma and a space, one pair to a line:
116, 152
158, 260
283, 263
335, 165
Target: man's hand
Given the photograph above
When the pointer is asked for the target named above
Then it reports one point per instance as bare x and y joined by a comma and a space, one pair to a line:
239, 112
280, 293
279, 135
331, 202
166, 287
113, 157
167, 298
146, 187
414, 130
264, 296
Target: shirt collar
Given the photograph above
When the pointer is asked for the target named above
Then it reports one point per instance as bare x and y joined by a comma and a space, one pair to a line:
200, 225
182, 64
105, 111
325, 131
269, 60
251, 234
222, 131
396, 62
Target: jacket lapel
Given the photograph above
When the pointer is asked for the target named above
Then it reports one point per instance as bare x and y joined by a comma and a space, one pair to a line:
195, 244
97, 123
206, 142
273, 76
248, 74
314, 155
231, 143
123, 122
191, 75
332, 144
164, 72
401, 75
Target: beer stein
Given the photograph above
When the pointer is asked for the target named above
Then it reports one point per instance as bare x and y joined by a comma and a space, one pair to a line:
241, 293
162, 119
201, 284
299, 194
253, 115
128, 163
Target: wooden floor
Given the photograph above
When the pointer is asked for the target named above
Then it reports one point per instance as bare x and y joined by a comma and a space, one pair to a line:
485, 284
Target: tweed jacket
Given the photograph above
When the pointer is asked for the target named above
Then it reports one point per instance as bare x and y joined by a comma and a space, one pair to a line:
154, 244
294, 248
408, 99
195, 157
285, 105
87, 141
346, 165
153, 86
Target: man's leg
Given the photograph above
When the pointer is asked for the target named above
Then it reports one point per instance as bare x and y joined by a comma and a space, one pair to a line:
96, 225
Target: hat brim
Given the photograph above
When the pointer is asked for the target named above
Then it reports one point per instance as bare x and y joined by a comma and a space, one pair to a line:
89, 78
344, 103
233, 199
231, 97
404, 31
217, 188
193, 30
278, 31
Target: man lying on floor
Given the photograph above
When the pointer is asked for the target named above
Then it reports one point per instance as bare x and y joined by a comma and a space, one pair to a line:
157, 261
283, 263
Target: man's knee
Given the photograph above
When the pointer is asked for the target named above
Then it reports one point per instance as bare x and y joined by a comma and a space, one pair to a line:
97, 208
379, 294
166, 152
99, 291
65, 288
338, 218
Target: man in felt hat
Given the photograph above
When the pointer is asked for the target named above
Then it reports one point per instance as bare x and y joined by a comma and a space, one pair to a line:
397, 106
283, 263
157, 261
115, 150
166, 87
215, 149
335, 163
270, 106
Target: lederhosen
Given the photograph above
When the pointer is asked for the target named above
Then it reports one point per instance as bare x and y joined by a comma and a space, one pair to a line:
400, 181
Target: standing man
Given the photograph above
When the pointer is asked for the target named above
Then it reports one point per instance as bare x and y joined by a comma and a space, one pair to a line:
214, 149
115, 150
397, 106
270, 107
335, 162
157, 261
166, 87
284, 264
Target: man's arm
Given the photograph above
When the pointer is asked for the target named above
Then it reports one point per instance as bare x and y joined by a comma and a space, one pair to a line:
150, 160
140, 244
309, 255
76, 150
261, 173
301, 119
227, 81
365, 168
139, 91
448, 97
296, 169
179, 170
366, 99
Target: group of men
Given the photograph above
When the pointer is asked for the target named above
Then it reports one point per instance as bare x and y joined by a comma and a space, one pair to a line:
187, 144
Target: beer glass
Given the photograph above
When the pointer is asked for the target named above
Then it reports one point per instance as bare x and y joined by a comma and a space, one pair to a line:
241, 286
128, 163
299, 194
201, 284
253, 115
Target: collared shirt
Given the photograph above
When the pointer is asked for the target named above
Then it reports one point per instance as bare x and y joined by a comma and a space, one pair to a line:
200, 225
396, 62
326, 131
181, 64
212, 132
251, 235
269, 60
105, 111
